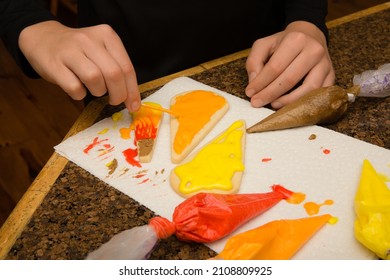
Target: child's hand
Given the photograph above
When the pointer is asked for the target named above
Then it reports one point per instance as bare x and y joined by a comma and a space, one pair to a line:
76, 59
277, 63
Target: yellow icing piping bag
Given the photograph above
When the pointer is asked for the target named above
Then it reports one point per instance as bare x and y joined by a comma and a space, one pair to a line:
372, 208
162, 109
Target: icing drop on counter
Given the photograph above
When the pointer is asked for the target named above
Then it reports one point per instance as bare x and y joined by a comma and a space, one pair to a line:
313, 208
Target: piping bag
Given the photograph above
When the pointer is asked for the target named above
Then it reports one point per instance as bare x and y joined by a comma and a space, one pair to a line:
327, 104
372, 208
202, 218
275, 240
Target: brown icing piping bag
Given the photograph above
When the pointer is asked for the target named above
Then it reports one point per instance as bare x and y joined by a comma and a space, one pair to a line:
327, 104
320, 106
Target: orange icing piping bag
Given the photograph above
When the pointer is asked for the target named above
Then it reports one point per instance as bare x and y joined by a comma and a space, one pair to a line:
162, 109
276, 240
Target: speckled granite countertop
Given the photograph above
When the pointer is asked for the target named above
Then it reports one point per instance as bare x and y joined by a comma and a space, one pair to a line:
80, 212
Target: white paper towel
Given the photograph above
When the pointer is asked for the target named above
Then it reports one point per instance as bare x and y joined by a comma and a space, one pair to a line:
327, 167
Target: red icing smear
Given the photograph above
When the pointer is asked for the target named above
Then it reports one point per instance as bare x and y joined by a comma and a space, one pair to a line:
139, 176
94, 143
144, 181
326, 151
266, 159
130, 156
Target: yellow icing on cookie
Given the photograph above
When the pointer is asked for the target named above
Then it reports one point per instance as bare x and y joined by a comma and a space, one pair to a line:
194, 110
214, 166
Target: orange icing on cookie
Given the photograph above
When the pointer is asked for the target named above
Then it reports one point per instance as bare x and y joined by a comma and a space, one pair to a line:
194, 110
214, 166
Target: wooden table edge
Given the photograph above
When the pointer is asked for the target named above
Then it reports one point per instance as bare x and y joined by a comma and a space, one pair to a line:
357, 15
33, 197
22, 213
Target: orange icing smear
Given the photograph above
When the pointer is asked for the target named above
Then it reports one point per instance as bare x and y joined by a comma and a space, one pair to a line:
313, 208
125, 133
291, 197
145, 123
296, 198
194, 109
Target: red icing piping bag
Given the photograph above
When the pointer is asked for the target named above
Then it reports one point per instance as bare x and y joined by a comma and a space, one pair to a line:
208, 217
